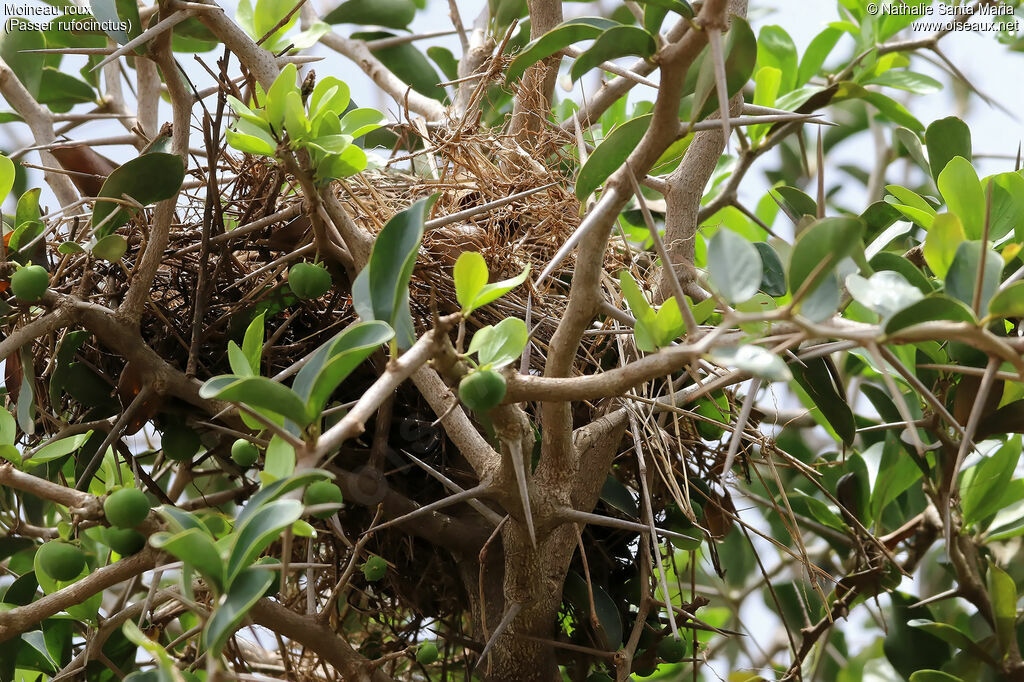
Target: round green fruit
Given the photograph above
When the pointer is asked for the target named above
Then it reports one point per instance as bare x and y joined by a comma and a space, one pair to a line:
29, 284
275, 586
309, 281
322, 492
671, 650
244, 453
60, 560
126, 508
125, 541
427, 653
180, 443
482, 390
375, 568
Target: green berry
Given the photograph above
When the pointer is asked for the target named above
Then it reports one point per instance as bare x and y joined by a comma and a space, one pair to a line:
482, 390
61, 561
671, 650
309, 281
29, 283
427, 653
322, 492
244, 453
125, 541
126, 508
180, 443
375, 568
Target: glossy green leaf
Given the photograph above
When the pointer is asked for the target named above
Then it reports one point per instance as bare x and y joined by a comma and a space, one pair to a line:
823, 387
279, 460
1002, 593
616, 42
409, 64
1009, 302
734, 265
767, 81
359, 122
947, 138
60, 91
501, 344
912, 143
895, 262
931, 308
558, 38
817, 52
108, 13
57, 448
953, 635
933, 676
332, 362
6, 176
896, 473
470, 275
257, 532
643, 330
940, 245
609, 156
960, 187
981, 486
27, 66
147, 179
1007, 214
252, 343
232, 607
277, 96
885, 293
258, 392
820, 249
776, 49
962, 277
381, 290
110, 248
615, 494
794, 202
196, 548
275, 489
740, 51
753, 359
387, 13
917, 83
773, 275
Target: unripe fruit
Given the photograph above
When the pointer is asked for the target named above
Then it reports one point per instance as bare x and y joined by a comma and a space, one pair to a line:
126, 508
125, 541
180, 443
308, 280
322, 492
275, 586
244, 453
375, 568
29, 284
482, 390
60, 560
427, 653
671, 650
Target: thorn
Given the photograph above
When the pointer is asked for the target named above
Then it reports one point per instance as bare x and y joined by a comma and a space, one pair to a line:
506, 620
516, 451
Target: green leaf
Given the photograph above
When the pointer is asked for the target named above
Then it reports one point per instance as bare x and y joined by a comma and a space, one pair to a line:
885, 293
820, 248
947, 138
962, 277
279, 461
258, 392
982, 485
558, 38
917, 83
60, 91
933, 676
912, 143
381, 290
828, 395
1009, 302
896, 473
886, 260
268, 14
776, 49
277, 96
110, 248
332, 362
231, 609
953, 635
387, 13
617, 495
252, 343
27, 66
500, 345
964, 195
1002, 592
7, 174
359, 122
470, 275
754, 360
794, 202
329, 95
257, 532
643, 330
817, 52
740, 50
56, 449
8, 428
110, 14
940, 245
773, 275
445, 61
1007, 212
931, 308
766, 91
196, 548
147, 179
496, 290
275, 489
609, 156
618, 41
734, 265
